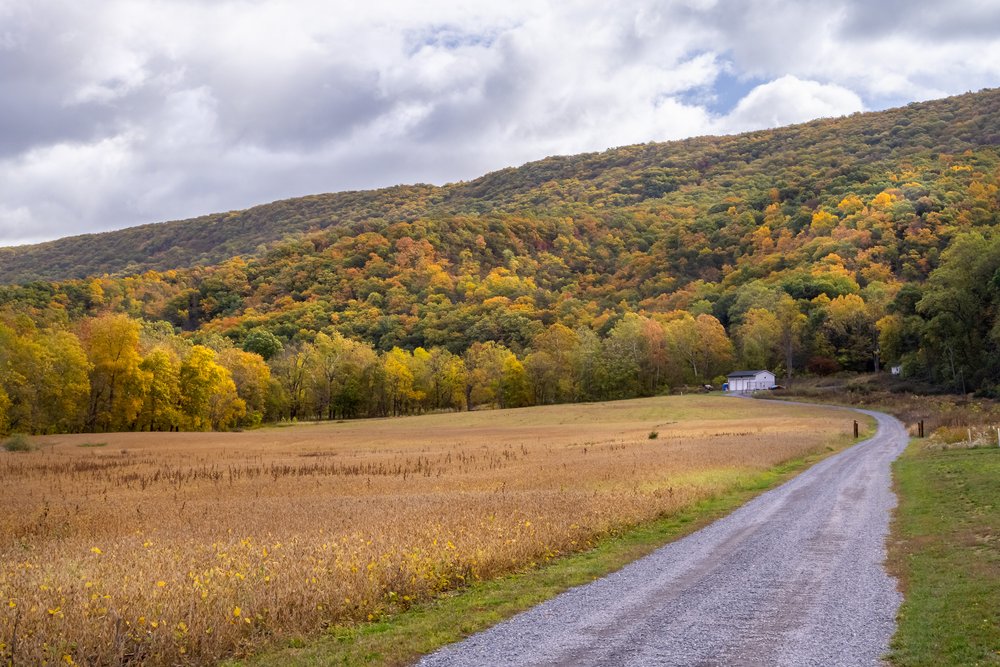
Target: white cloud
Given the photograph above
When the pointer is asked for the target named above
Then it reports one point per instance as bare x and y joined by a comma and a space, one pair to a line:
128, 111
789, 100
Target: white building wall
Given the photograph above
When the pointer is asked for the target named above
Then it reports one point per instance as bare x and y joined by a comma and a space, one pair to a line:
760, 381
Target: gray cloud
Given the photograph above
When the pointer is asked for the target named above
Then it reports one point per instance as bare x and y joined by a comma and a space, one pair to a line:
120, 112
940, 21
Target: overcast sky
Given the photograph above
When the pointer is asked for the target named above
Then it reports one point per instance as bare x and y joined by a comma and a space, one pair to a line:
116, 113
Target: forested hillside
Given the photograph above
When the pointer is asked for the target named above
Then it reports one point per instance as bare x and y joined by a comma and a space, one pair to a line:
851, 243
810, 165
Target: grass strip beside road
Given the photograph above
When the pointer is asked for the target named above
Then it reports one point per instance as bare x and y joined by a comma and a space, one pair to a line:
402, 638
946, 552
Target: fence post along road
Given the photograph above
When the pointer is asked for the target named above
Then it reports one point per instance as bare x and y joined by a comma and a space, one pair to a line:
794, 577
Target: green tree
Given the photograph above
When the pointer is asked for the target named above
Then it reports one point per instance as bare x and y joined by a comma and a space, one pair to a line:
759, 339
263, 342
625, 357
960, 304
589, 366
850, 330
793, 323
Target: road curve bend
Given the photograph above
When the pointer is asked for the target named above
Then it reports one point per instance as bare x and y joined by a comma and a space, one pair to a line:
794, 577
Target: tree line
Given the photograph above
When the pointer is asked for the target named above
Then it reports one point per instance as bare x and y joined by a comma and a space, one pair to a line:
114, 372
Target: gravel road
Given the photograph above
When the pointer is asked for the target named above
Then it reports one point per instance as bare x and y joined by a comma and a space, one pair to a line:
795, 577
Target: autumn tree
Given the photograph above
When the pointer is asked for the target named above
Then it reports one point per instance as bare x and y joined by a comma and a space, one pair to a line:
290, 370
111, 343
397, 385
447, 379
850, 330
252, 377
489, 371
208, 394
64, 381
513, 391
699, 346
161, 402
550, 365
4, 411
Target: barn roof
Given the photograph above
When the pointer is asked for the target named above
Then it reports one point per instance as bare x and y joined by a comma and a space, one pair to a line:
745, 374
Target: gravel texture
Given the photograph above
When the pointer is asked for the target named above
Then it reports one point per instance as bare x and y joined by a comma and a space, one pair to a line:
795, 577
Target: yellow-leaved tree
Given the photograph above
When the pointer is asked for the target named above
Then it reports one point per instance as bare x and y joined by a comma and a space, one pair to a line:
160, 408
208, 394
64, 381
447, 379
698, 347
398, 382
4, 411
253, 381
111, 343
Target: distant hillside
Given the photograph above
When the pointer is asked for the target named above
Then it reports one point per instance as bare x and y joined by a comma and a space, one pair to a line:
851, 243
207, 239
805, 163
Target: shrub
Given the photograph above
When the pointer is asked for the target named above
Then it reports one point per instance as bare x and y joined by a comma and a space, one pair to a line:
18, 443
820, 365
653, 435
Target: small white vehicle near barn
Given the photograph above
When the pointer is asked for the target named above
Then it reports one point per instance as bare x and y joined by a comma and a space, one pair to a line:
745, 381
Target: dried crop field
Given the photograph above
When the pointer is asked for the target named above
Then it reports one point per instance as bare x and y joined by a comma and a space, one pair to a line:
170, 548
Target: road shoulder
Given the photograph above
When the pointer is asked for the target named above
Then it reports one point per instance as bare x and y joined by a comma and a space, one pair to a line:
945, 549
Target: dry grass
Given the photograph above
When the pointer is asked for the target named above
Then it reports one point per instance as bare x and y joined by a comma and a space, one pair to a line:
949, 419
176, 548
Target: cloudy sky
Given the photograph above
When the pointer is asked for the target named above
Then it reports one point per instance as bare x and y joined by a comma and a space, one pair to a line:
115, 113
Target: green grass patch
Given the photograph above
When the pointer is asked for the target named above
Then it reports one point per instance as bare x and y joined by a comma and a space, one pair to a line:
946, 552
18, 443
93, 444
402, 638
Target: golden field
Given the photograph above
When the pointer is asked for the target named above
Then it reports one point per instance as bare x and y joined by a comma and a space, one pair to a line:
167, 548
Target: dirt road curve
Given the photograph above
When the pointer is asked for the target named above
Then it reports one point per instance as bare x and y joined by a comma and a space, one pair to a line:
795, 577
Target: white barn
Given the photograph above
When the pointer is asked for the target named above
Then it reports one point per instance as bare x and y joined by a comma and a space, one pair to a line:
750, 380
